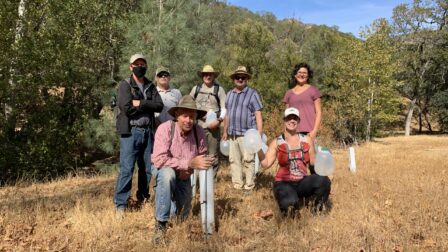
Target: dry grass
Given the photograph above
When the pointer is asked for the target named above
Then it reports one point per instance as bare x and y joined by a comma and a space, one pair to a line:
397, 201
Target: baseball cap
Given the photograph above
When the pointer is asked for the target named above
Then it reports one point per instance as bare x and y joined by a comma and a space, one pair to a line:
162, 69
291, 111
136, 57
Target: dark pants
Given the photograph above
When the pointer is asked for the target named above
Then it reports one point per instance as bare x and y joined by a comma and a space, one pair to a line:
136, 147
313, 189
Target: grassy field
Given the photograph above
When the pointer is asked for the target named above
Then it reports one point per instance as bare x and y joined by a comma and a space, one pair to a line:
396, 201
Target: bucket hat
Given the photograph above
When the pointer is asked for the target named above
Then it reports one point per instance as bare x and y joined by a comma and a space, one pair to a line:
187, 102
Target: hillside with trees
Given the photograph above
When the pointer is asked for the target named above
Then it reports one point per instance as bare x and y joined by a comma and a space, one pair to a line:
60, 62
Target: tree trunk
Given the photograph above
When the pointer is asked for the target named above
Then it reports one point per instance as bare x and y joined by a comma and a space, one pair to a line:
18, 35
420, 121
407, 126
427, 122
369, 115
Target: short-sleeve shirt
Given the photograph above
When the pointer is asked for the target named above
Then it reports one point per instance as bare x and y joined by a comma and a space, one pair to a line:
241, 108
170, 98
207, 101
304, 102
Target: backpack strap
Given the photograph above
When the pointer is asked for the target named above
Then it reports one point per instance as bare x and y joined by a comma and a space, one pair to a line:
198, 88
215, 93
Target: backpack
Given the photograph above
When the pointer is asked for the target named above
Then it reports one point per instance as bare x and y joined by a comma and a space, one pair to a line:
173, 125
215, 94
114, 99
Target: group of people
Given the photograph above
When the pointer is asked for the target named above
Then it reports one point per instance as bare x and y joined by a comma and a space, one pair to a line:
168, 136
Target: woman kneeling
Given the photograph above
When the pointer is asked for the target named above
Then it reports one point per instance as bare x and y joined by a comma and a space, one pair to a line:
293, 187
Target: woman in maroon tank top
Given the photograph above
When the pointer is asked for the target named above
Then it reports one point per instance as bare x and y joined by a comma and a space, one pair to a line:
293, 186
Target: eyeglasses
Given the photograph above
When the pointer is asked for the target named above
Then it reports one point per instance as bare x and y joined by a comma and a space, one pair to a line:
243, 78
163, 75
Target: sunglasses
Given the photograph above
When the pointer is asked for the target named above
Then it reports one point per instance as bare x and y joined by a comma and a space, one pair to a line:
243, 78
163, 75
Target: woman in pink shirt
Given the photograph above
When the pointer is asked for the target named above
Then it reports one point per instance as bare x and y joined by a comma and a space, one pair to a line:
306, 98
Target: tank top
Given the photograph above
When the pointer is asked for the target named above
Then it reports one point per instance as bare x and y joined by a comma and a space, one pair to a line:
292, 163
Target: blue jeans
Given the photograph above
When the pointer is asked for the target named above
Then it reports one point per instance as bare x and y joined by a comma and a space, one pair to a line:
173, 196
135, 147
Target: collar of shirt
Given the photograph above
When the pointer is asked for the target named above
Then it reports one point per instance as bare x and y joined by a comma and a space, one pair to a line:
235, 90
160, 90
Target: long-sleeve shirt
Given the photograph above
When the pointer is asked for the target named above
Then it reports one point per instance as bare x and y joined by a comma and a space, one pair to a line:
183, 147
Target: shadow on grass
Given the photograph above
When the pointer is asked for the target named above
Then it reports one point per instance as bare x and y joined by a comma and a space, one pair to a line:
64, 199
263, 181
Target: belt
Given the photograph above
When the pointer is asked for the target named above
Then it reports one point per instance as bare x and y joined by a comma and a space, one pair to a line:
140, 126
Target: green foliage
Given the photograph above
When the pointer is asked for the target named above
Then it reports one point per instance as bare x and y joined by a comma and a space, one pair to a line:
421, 34
60, 62
439, 106
63, 60
363, 96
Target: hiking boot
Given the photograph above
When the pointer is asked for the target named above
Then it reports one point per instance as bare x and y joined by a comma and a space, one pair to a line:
143, 203
159, 232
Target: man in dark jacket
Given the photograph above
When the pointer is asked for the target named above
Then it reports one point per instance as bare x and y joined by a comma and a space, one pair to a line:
137, 100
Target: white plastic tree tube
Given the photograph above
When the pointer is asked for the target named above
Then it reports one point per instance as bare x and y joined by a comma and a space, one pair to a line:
207, 194
351, 159
194, 180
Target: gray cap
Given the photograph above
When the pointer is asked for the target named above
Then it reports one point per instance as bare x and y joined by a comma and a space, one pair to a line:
162, 69
136, 57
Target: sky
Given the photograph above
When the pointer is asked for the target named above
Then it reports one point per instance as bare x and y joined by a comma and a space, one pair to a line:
348, 15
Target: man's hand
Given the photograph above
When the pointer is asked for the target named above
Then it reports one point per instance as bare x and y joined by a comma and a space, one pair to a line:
135, 103
224, 136
201, 162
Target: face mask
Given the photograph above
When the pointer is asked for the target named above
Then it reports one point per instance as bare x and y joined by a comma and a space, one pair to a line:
139, 71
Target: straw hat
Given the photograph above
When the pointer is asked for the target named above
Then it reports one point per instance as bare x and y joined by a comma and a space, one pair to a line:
208, 69
187, 102
240, 70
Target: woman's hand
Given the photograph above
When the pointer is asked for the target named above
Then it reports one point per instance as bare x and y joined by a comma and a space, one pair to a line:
313, 135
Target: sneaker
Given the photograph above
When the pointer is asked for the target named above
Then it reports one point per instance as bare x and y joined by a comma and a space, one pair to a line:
119, 213
159, 232
238, 187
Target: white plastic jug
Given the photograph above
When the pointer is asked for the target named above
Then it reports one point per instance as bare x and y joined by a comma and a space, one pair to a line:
324, 165
210, 117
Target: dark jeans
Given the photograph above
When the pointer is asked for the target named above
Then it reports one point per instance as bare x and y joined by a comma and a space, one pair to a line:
312, 189
135, 147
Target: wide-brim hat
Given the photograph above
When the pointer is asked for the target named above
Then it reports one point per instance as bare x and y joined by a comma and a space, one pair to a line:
240, 70
187, 102
208, 69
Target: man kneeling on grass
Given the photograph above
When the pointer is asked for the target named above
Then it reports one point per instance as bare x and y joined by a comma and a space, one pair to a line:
179, 148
